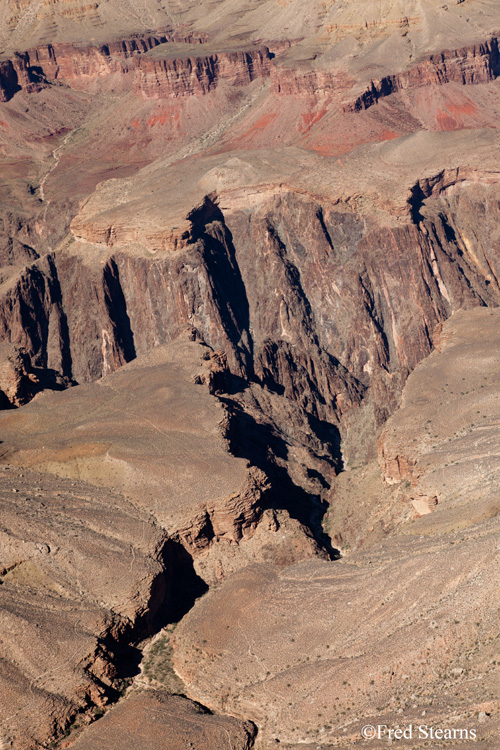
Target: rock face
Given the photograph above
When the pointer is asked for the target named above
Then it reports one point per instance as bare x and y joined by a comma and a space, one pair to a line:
20, 382
155, 76
387, 626
255, 237
470, 65
157, 79
145, 720
81, 564
301, 341
437, 453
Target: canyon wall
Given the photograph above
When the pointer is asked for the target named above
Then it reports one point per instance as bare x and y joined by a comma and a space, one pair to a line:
474, 64
171, 74
336, 324
240, 262
172, 71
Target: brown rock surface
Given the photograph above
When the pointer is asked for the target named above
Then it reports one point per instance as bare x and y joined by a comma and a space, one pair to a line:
299, 193
437, 455
447, 424
79, 570
154, 67
146, 721
312, 190
111, 494
20, 381
151, 433
403, 629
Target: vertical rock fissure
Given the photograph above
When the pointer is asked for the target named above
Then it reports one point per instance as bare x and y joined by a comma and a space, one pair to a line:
116, 307
229, 289
173, 592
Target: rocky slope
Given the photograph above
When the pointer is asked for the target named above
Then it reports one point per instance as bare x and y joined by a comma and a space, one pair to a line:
111, 533
404, 629
84, 566
237, 229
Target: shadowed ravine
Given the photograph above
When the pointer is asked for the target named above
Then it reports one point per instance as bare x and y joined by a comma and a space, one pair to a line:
249, 292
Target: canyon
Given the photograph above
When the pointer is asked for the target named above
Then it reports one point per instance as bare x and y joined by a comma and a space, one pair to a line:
249, 299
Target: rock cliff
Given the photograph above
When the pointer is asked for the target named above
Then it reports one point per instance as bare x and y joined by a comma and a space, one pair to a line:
255, 238
479, 63
177, 72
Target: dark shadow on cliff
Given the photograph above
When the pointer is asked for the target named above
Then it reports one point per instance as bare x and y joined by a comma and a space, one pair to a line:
116, 306
228, 288
183, 587
64, 335
173, 593
265, 447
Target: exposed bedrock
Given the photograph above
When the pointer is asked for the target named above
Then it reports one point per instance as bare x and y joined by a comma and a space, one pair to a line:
66, 61
183, 70
478, 63
154, 715
406, 626
309, 300
62, 542
17, 75
85, 576
120, 503
156, 79
170, 65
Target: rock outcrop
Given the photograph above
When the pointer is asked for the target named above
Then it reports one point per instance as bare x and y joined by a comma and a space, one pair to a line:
226, 499
160, 74
154, 715
157, 78
305, 329
242, 238
479, 63
20, 381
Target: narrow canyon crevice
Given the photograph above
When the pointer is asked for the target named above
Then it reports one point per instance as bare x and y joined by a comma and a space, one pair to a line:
233, 250
119, 653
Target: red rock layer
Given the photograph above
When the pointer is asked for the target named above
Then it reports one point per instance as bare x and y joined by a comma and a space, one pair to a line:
395, 467
16, 74
478, 63
198, 75
66, 61
287, 81
153, 77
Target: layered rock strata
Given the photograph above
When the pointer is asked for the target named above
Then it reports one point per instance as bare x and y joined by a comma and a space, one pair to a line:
154, 76
478, 63
121, 502
313, 249
389, 636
